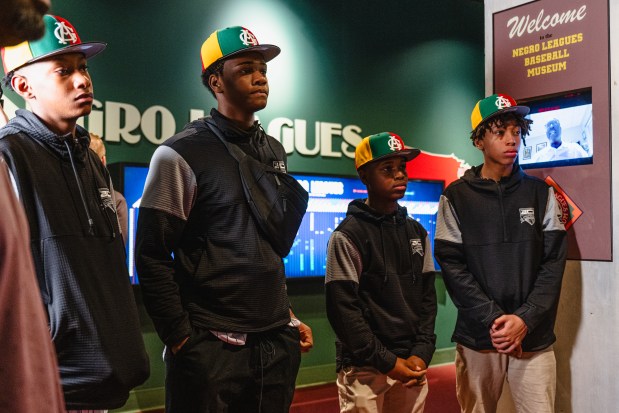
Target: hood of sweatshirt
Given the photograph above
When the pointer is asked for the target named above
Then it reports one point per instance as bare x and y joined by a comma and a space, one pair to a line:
30, 124
508, 183
361, 210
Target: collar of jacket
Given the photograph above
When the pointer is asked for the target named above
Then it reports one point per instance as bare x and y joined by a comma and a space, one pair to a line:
31, 125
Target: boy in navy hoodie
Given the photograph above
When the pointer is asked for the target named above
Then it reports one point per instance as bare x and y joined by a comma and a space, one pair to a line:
78, 252
502, 250
380, 292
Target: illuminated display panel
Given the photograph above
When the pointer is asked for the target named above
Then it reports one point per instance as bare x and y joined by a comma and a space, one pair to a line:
328, 203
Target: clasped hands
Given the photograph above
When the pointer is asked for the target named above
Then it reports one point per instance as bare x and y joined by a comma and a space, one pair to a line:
507, 333
411, 371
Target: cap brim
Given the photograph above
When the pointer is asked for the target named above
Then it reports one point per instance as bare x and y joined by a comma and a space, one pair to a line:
521, 110
268, 51
407, 153
88, 49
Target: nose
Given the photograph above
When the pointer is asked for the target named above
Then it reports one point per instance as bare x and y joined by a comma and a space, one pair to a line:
81, 79
260, 78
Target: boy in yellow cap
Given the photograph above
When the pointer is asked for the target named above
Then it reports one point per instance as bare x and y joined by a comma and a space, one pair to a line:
212, 281
65, 190
380, 294
502, 250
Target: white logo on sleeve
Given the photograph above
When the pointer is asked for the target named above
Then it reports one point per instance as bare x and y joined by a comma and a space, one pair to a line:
416, 246
527, 215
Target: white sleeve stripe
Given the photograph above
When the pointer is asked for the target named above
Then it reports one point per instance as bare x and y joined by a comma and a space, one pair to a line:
552, 215
428, 260
448, 227
170, 185
343, 259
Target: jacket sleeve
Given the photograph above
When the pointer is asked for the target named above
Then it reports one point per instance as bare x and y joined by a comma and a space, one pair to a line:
168, 197
544, 297
344, 309
465, 291
425, 339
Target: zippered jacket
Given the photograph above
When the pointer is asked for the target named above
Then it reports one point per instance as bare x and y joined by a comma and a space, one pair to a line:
79, 259
502, 248
201, 259
381, 299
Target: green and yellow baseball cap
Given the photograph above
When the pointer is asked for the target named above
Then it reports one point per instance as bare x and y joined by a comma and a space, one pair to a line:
380, 146
232, 41
494, 105
60, 37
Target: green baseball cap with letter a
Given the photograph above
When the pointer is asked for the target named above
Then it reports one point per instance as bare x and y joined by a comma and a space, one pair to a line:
232, 41
494, 105
60, 37
380, 146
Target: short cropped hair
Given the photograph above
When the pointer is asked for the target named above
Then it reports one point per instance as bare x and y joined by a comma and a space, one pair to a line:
216, 68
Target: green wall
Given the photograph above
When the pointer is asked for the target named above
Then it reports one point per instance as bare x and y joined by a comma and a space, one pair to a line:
414, 68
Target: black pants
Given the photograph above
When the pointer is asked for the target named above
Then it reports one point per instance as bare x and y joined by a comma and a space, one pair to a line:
208, 375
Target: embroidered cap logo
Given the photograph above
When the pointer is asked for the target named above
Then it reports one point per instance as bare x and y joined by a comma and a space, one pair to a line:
65, 34
248, 38
395, 144
502, 102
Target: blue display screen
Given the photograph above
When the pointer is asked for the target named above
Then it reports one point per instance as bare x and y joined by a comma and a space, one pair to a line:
328, 203
561, 133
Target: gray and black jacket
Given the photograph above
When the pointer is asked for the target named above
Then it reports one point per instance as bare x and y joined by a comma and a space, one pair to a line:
79, 259
502, 250
381, 300
201, 259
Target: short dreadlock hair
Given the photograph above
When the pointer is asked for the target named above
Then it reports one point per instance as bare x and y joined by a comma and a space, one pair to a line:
500, 121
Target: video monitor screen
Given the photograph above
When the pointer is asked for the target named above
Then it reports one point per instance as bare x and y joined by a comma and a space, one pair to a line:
329, 197
328, 203
561, 133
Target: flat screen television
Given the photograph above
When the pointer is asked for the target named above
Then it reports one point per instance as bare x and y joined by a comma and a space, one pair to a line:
328, 203
562, 131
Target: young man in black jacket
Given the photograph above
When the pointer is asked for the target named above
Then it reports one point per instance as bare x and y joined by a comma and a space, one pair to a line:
381, 300
78, 253
502, 249
212, 282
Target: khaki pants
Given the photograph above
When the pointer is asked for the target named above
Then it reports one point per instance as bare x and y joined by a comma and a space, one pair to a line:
531, 380
366, 390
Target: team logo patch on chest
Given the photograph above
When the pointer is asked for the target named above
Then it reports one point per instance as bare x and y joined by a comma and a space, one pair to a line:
106, 199
280, 166
416, 246
527, 215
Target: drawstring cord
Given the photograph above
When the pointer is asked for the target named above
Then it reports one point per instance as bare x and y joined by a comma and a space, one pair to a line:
410, 252
267, 348
91, 224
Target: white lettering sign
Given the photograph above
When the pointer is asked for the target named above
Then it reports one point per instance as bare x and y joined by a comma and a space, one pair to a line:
519, 25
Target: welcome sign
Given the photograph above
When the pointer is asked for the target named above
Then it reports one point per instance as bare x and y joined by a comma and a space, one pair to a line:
553, 55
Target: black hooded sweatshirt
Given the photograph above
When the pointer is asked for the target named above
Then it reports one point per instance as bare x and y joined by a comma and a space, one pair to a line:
381, 299
80, 262
501, 247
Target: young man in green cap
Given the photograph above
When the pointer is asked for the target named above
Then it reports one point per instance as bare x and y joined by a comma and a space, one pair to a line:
381, 300
212, 282
65, 190
24, 338
502, 249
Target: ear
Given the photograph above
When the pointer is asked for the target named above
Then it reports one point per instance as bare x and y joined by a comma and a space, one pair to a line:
363, 176
21, 86
214, 83
479, 144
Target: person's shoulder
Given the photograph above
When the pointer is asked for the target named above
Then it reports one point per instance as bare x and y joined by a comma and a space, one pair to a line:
417, 226
455, 186
192, 129
533, 180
